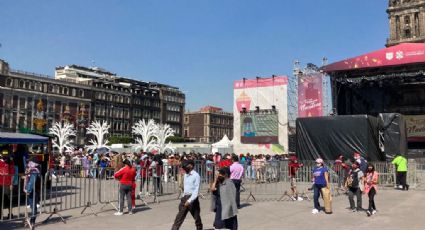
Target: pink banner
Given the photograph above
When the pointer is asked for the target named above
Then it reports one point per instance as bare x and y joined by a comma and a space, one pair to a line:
310, 96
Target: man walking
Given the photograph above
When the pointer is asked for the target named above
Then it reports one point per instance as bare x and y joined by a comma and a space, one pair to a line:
236, 172
189, 201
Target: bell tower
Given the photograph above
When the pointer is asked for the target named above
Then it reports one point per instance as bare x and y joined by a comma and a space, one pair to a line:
407, 21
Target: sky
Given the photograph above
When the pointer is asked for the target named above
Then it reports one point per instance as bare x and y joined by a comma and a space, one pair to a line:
200, 46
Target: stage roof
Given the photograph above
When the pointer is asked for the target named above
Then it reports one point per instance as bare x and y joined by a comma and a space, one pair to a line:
402, 54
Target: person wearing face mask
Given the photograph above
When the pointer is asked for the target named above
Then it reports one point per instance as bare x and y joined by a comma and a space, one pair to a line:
223, 201
189, 202
371, 187
320, 181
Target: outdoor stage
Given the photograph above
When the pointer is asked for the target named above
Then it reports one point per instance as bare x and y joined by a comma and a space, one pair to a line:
390, 80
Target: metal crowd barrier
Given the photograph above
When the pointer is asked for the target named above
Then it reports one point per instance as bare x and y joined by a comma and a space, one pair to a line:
20, 197
94, 189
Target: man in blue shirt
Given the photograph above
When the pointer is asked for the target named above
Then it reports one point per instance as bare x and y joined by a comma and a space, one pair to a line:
189, 201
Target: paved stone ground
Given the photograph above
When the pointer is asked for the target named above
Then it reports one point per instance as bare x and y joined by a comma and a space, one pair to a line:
397, 210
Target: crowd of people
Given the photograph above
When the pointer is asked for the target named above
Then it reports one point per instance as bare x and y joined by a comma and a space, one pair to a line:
224, 173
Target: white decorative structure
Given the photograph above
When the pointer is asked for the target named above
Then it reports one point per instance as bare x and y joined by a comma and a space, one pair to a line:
147, 132
99, 130
62, 132
164, 131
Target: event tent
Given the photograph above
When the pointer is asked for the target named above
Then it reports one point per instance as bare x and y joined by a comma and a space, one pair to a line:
22, 138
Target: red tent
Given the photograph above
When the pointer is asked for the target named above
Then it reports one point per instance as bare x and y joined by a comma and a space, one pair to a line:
405, 53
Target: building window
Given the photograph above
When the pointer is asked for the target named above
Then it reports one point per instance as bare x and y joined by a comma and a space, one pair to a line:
74, 92
21, 84
9, 82
81, 93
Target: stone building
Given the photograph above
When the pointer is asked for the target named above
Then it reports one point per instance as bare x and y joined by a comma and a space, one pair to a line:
208, 125
32, 102
407, 21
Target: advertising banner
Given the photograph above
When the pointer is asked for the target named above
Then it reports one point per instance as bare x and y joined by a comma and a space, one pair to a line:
310, 97
264, 129
415, 126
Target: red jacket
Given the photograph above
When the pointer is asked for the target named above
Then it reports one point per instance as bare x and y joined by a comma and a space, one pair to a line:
144, 168
126, 175
225, 163
6, 173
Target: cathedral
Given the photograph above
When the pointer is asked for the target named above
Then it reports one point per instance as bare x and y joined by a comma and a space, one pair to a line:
407, 21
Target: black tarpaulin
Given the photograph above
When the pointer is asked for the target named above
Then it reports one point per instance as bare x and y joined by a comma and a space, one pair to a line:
328, 137
393, 128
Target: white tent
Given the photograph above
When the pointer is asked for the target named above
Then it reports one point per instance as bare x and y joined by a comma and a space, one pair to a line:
225, 145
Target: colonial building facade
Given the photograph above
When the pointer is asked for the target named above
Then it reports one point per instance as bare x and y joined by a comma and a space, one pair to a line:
208, 125
407, 21
32, 102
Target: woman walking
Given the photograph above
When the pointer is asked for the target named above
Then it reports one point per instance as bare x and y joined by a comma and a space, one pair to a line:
224, 201
371, 187
126, 175
320, 180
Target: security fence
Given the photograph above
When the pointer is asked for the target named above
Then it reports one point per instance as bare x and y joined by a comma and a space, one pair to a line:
94, 189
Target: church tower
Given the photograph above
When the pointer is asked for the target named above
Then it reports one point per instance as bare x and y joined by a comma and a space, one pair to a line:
407, 21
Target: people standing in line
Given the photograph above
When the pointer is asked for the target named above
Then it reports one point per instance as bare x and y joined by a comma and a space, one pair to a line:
293, 167
236, 173
320, 180
355, 186
400, 163
249, 174
371, 188
223, 201
126, 176
145, 173
259, 166
157, 172
189, 202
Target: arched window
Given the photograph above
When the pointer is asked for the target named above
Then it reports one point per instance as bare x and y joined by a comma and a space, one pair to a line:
21, 84
27, 85
9, 82
81, 93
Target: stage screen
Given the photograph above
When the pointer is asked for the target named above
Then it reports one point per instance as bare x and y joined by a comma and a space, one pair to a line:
259, 127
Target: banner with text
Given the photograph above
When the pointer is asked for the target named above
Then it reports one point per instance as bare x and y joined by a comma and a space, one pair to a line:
415, 126
310, 103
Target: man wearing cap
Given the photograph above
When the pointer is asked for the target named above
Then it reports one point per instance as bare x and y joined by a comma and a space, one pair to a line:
189, 201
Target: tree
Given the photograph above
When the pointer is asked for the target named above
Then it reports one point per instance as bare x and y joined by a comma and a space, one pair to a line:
99, 130
63, 132
146, 131
163, 133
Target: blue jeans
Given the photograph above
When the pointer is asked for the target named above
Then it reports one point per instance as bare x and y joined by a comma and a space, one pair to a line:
317, 191
32, 199
93, 172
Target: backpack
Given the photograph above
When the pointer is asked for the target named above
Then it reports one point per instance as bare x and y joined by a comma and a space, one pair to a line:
352, 180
